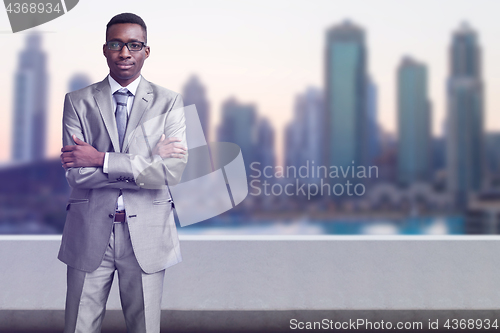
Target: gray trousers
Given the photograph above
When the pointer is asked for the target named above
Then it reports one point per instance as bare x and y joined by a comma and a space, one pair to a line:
140, 293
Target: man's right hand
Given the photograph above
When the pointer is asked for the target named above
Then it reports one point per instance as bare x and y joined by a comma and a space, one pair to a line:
169, 148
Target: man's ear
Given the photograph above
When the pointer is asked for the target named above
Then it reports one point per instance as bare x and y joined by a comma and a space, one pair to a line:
147, 50
104, 50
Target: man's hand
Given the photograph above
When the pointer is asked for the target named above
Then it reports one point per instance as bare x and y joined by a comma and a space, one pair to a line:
169, 148
81, 155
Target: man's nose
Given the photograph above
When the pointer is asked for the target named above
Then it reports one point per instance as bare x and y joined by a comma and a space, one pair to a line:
125, 53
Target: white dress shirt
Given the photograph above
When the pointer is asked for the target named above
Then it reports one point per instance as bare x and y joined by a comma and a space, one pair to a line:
115, 86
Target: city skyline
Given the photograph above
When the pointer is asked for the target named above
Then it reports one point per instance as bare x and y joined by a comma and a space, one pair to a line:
247, 85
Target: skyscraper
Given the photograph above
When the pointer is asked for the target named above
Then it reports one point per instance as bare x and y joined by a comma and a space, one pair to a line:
304, 136
265, 144
292, 140
30, 103
194, 93
465, 142
310, 113
414, 123
345, 82
238, 125
78, 81
492, 154
373, 131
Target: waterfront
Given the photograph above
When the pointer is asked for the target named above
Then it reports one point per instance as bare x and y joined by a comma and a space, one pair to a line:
449, 225
235, 225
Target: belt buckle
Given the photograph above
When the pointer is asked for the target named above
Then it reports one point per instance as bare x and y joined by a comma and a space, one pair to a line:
120, 217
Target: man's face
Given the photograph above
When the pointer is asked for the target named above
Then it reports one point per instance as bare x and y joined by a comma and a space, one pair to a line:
125, 66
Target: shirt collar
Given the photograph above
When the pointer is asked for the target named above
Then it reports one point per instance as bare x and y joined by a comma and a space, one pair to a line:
132, 87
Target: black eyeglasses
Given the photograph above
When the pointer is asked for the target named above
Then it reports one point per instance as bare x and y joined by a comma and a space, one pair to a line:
131, 46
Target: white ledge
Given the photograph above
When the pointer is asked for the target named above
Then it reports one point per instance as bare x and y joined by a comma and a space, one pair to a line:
284, 272
290, 237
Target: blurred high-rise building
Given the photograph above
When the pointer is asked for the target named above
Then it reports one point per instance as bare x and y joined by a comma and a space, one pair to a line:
78, 81
465, 141
373, 131
292, 140
30, 102
194, 93
387, 160
304, 139
239, 125
310, 113
414, 123
492, 143
264, 152
345, 93
438, 153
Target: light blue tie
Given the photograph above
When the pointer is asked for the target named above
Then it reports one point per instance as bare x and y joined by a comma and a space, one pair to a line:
121, 113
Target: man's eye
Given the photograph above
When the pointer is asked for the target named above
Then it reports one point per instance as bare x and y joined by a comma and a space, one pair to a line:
135, 46
114, 45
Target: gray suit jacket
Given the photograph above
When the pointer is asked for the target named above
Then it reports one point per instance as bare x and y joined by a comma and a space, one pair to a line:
140, 176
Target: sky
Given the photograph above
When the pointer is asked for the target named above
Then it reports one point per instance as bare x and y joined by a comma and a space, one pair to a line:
260, 52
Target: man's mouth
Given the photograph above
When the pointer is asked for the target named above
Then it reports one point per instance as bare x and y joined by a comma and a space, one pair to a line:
124, 66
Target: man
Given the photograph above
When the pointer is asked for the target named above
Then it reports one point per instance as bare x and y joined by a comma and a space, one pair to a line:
124, 140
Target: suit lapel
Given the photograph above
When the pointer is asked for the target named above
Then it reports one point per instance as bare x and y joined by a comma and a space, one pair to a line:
143, 96
102, 97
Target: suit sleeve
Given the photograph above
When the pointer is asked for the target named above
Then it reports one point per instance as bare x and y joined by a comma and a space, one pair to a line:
154, 171
84, 177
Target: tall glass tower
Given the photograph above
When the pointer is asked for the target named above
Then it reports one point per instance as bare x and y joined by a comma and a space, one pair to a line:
30, 103
414, 123
194, 93
305, 139
346, 106
264, 152
465, 159
373, 131
239, 125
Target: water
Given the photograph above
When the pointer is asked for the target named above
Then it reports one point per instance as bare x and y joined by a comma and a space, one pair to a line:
451, 225
240, 225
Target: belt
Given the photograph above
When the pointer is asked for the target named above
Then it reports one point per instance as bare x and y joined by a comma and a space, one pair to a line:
120, 216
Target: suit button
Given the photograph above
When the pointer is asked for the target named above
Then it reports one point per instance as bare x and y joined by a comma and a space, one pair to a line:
111, 215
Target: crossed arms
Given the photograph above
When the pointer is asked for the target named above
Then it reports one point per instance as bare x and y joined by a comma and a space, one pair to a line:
84, 163
84, 155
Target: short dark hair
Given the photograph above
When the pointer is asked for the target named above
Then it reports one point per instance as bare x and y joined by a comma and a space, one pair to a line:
128, 18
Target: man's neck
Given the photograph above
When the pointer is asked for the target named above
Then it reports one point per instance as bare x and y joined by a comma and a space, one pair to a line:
124, 82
